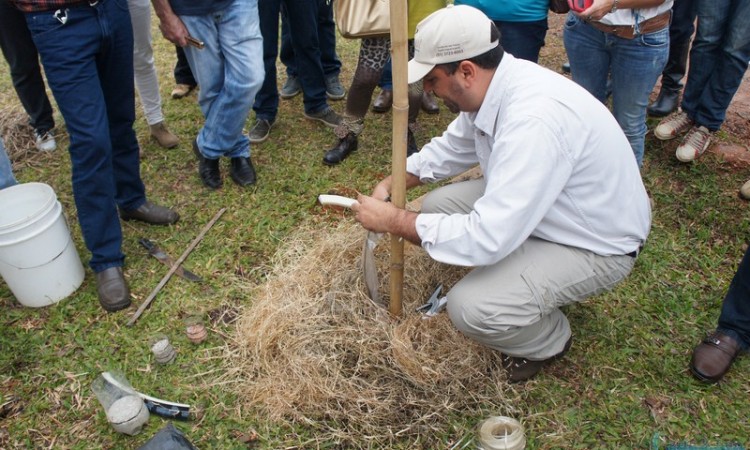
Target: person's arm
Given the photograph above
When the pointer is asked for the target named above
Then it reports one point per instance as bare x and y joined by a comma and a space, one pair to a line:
601, 8
170, 24
375, 213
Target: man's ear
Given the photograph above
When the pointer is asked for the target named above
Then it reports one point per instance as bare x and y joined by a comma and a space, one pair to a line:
467, 71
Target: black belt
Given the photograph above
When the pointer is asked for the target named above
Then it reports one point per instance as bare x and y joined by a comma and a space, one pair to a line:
634, 253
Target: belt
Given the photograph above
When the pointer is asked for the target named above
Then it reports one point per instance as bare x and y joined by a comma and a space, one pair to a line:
634, 253
655, 23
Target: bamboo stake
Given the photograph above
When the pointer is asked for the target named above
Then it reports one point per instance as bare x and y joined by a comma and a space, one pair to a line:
399, 54
146, 303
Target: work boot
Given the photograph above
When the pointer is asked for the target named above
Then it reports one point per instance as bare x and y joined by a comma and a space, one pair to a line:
521, 369
383, 101
341, 151
208, 169
429, 103
163, 136
113, 291
151, 214
242, 171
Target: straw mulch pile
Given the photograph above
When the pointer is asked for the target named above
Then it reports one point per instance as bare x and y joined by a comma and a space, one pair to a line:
315, 351
18, 137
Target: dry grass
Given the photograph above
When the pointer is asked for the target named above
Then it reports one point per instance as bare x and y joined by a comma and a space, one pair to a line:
314, 350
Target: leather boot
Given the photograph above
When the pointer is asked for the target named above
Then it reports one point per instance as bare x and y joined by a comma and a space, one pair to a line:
339, 153
671, 81
208, 169
113, 291
242, 171
713, 357
383, 101
163, 136
151, 213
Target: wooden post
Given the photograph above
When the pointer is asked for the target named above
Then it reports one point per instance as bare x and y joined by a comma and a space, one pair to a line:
399, 58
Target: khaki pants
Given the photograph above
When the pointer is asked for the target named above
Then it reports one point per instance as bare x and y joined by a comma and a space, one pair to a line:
513, 306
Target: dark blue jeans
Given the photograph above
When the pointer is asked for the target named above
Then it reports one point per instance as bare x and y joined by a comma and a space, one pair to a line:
303, 20
87, 55
23, 59
718, 60
326, 37
734, 320
523, 39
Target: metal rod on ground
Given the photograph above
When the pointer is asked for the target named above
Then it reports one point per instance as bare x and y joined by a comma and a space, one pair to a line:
174, 268
399, 51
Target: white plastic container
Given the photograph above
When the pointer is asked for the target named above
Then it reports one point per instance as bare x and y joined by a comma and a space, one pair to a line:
38, 259
500, 433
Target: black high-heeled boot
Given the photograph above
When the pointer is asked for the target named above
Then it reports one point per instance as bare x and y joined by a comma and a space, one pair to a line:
341, 151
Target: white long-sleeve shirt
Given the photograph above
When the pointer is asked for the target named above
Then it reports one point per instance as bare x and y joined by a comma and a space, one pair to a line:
557, 166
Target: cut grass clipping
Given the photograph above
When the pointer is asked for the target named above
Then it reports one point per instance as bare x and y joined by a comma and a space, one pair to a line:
314, 349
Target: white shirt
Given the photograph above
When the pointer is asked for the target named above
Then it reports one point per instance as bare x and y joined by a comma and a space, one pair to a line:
556, 164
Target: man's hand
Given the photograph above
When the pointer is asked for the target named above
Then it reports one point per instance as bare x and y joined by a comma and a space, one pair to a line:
170, 24
382, 217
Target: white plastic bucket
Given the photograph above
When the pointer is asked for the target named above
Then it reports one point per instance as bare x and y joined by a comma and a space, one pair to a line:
38, 259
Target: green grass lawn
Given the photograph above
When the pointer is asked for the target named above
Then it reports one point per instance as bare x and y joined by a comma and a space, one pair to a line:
624, 381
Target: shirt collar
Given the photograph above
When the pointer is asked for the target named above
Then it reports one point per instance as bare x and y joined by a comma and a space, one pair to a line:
486, 118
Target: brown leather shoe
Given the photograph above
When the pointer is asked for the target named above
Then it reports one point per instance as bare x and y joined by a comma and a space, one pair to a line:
151, 213
713, 357
521, 369
429, 103
113, 291
383, 101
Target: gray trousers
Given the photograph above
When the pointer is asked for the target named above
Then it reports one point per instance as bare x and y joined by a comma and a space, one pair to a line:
513, 305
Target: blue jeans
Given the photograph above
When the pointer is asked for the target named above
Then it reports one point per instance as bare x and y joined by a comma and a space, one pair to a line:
718, 60
734, 320
326, 38
523, 39
386, 79
303, 22
634, 65
6, 170
88, 61
228, 74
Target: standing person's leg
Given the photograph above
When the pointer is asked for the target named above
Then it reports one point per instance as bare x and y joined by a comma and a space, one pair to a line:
523, 40
145, 73
6, 169
303, 25
636, 65
87, 123
328, 57
22, 57
183, 76
292, 85
384, 100
713, 357
588, 55
718, 62
680, 31
266, 104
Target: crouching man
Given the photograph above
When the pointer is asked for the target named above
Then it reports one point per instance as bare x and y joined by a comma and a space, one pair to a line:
560, 214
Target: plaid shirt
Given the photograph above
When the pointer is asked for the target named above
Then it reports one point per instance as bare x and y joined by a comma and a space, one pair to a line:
43, 5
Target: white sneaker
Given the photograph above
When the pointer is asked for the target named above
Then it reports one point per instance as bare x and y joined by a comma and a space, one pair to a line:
695, 143
674, 125
45, 140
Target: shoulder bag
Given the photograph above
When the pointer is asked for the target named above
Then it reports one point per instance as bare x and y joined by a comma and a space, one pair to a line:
362, 18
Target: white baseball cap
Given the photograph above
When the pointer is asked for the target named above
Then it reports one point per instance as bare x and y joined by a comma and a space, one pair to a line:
450, 34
